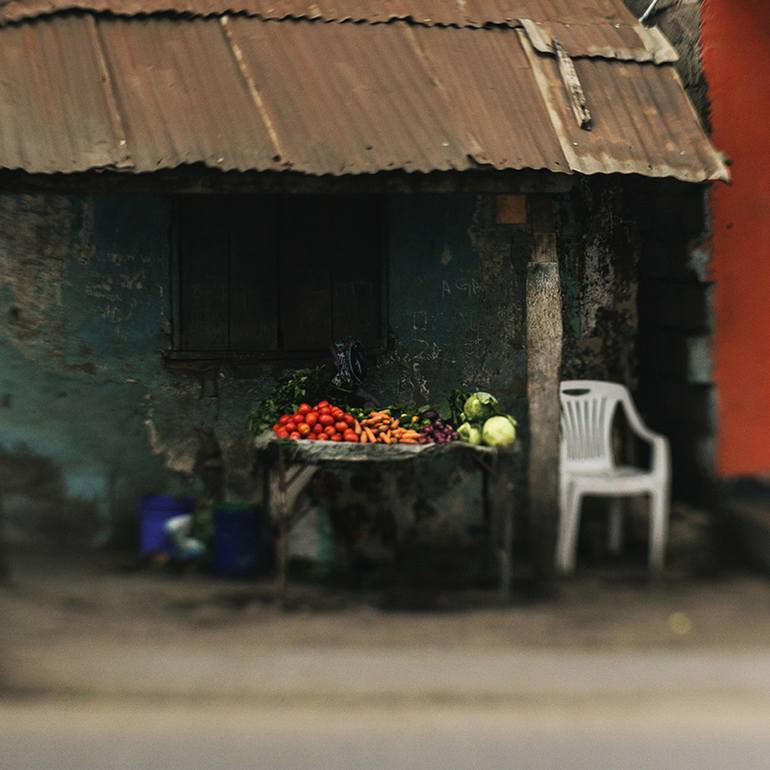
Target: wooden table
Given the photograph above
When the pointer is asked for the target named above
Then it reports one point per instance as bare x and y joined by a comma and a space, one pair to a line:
289, 466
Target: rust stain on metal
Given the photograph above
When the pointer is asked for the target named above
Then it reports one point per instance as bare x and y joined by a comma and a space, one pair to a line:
424, 86
124, 160
253, 90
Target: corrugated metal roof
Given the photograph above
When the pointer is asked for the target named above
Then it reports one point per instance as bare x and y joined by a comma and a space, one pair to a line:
55, 111
586, 27
643, 122
153, 92
432, 12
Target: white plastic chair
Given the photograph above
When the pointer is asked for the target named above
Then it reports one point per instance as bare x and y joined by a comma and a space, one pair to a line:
588, 468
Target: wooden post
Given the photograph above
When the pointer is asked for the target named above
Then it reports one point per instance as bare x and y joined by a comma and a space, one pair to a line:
544, 348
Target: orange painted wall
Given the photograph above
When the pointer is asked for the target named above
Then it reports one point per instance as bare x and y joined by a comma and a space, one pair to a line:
736, 40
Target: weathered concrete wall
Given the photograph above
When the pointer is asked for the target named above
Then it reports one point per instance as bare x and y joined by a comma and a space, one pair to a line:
456, 293
600, 253
91, 418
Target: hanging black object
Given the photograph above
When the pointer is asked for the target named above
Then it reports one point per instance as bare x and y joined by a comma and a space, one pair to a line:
350, 363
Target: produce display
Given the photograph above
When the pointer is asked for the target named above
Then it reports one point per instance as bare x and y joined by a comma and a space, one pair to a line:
322, 422
485, 422
480, 416
382, 428
436, 431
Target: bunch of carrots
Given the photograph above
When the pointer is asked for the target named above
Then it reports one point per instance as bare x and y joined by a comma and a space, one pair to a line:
382, 428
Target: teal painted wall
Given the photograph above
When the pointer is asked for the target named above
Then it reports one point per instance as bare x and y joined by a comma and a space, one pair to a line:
91, 419
457, 297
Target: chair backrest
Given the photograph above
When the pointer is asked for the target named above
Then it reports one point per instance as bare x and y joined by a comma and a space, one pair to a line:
587, 410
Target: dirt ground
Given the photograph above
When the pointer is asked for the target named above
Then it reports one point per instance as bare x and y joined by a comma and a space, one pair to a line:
53, 598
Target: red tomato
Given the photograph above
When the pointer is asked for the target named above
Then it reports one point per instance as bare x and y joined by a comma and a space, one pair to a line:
336, 437
341, 426
324, 410
351, 437
323, 437
337, 412
295, 435
318, 428
276, 428
311, 437
304, 429
304, 409
326, 420
330, 430
283, 434
283, 420
290, 426
322, 404
349, 419
311, 418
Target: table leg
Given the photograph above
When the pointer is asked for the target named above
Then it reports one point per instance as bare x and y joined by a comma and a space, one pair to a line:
282, 553
500, 491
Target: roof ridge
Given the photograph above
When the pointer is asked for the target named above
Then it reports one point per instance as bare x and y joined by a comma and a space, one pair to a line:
440, 13
601, 37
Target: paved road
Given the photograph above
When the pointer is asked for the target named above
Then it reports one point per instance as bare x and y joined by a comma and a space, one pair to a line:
155, 706
114, 668
106, 735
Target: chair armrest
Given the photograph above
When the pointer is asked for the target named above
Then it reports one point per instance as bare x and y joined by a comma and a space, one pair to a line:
660, 448
661, 454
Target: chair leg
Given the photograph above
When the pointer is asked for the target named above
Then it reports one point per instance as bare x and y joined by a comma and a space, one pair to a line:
658, 529
615, 538
566, 548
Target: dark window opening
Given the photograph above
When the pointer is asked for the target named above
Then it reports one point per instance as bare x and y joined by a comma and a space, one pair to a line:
278, 274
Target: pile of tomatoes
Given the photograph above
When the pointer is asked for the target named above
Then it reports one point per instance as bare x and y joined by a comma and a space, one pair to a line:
322, 422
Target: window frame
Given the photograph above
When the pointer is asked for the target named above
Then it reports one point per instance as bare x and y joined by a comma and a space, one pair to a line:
177, 354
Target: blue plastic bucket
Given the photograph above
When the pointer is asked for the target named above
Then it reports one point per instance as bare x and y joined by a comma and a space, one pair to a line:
154, 512
238, 541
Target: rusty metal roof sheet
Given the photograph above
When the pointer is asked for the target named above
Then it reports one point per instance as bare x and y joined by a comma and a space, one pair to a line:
55, 112
234, 92
600, 28
430, 12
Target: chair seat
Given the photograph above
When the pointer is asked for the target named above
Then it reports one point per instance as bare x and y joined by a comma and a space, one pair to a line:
622, 479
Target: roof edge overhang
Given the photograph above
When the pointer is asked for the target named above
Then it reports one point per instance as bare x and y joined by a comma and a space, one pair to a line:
199, 179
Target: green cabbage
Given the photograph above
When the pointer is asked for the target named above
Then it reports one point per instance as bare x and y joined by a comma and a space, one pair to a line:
499, 431
480, 406
469, 433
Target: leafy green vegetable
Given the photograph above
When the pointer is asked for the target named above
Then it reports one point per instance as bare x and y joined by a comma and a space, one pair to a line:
292, 388
499, 431
457, 399
470, 433
481, 406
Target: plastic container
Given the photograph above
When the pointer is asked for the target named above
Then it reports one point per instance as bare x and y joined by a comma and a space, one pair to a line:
154, 512
238, 545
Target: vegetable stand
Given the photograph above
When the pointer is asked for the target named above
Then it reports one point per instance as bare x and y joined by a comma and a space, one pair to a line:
289, 466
